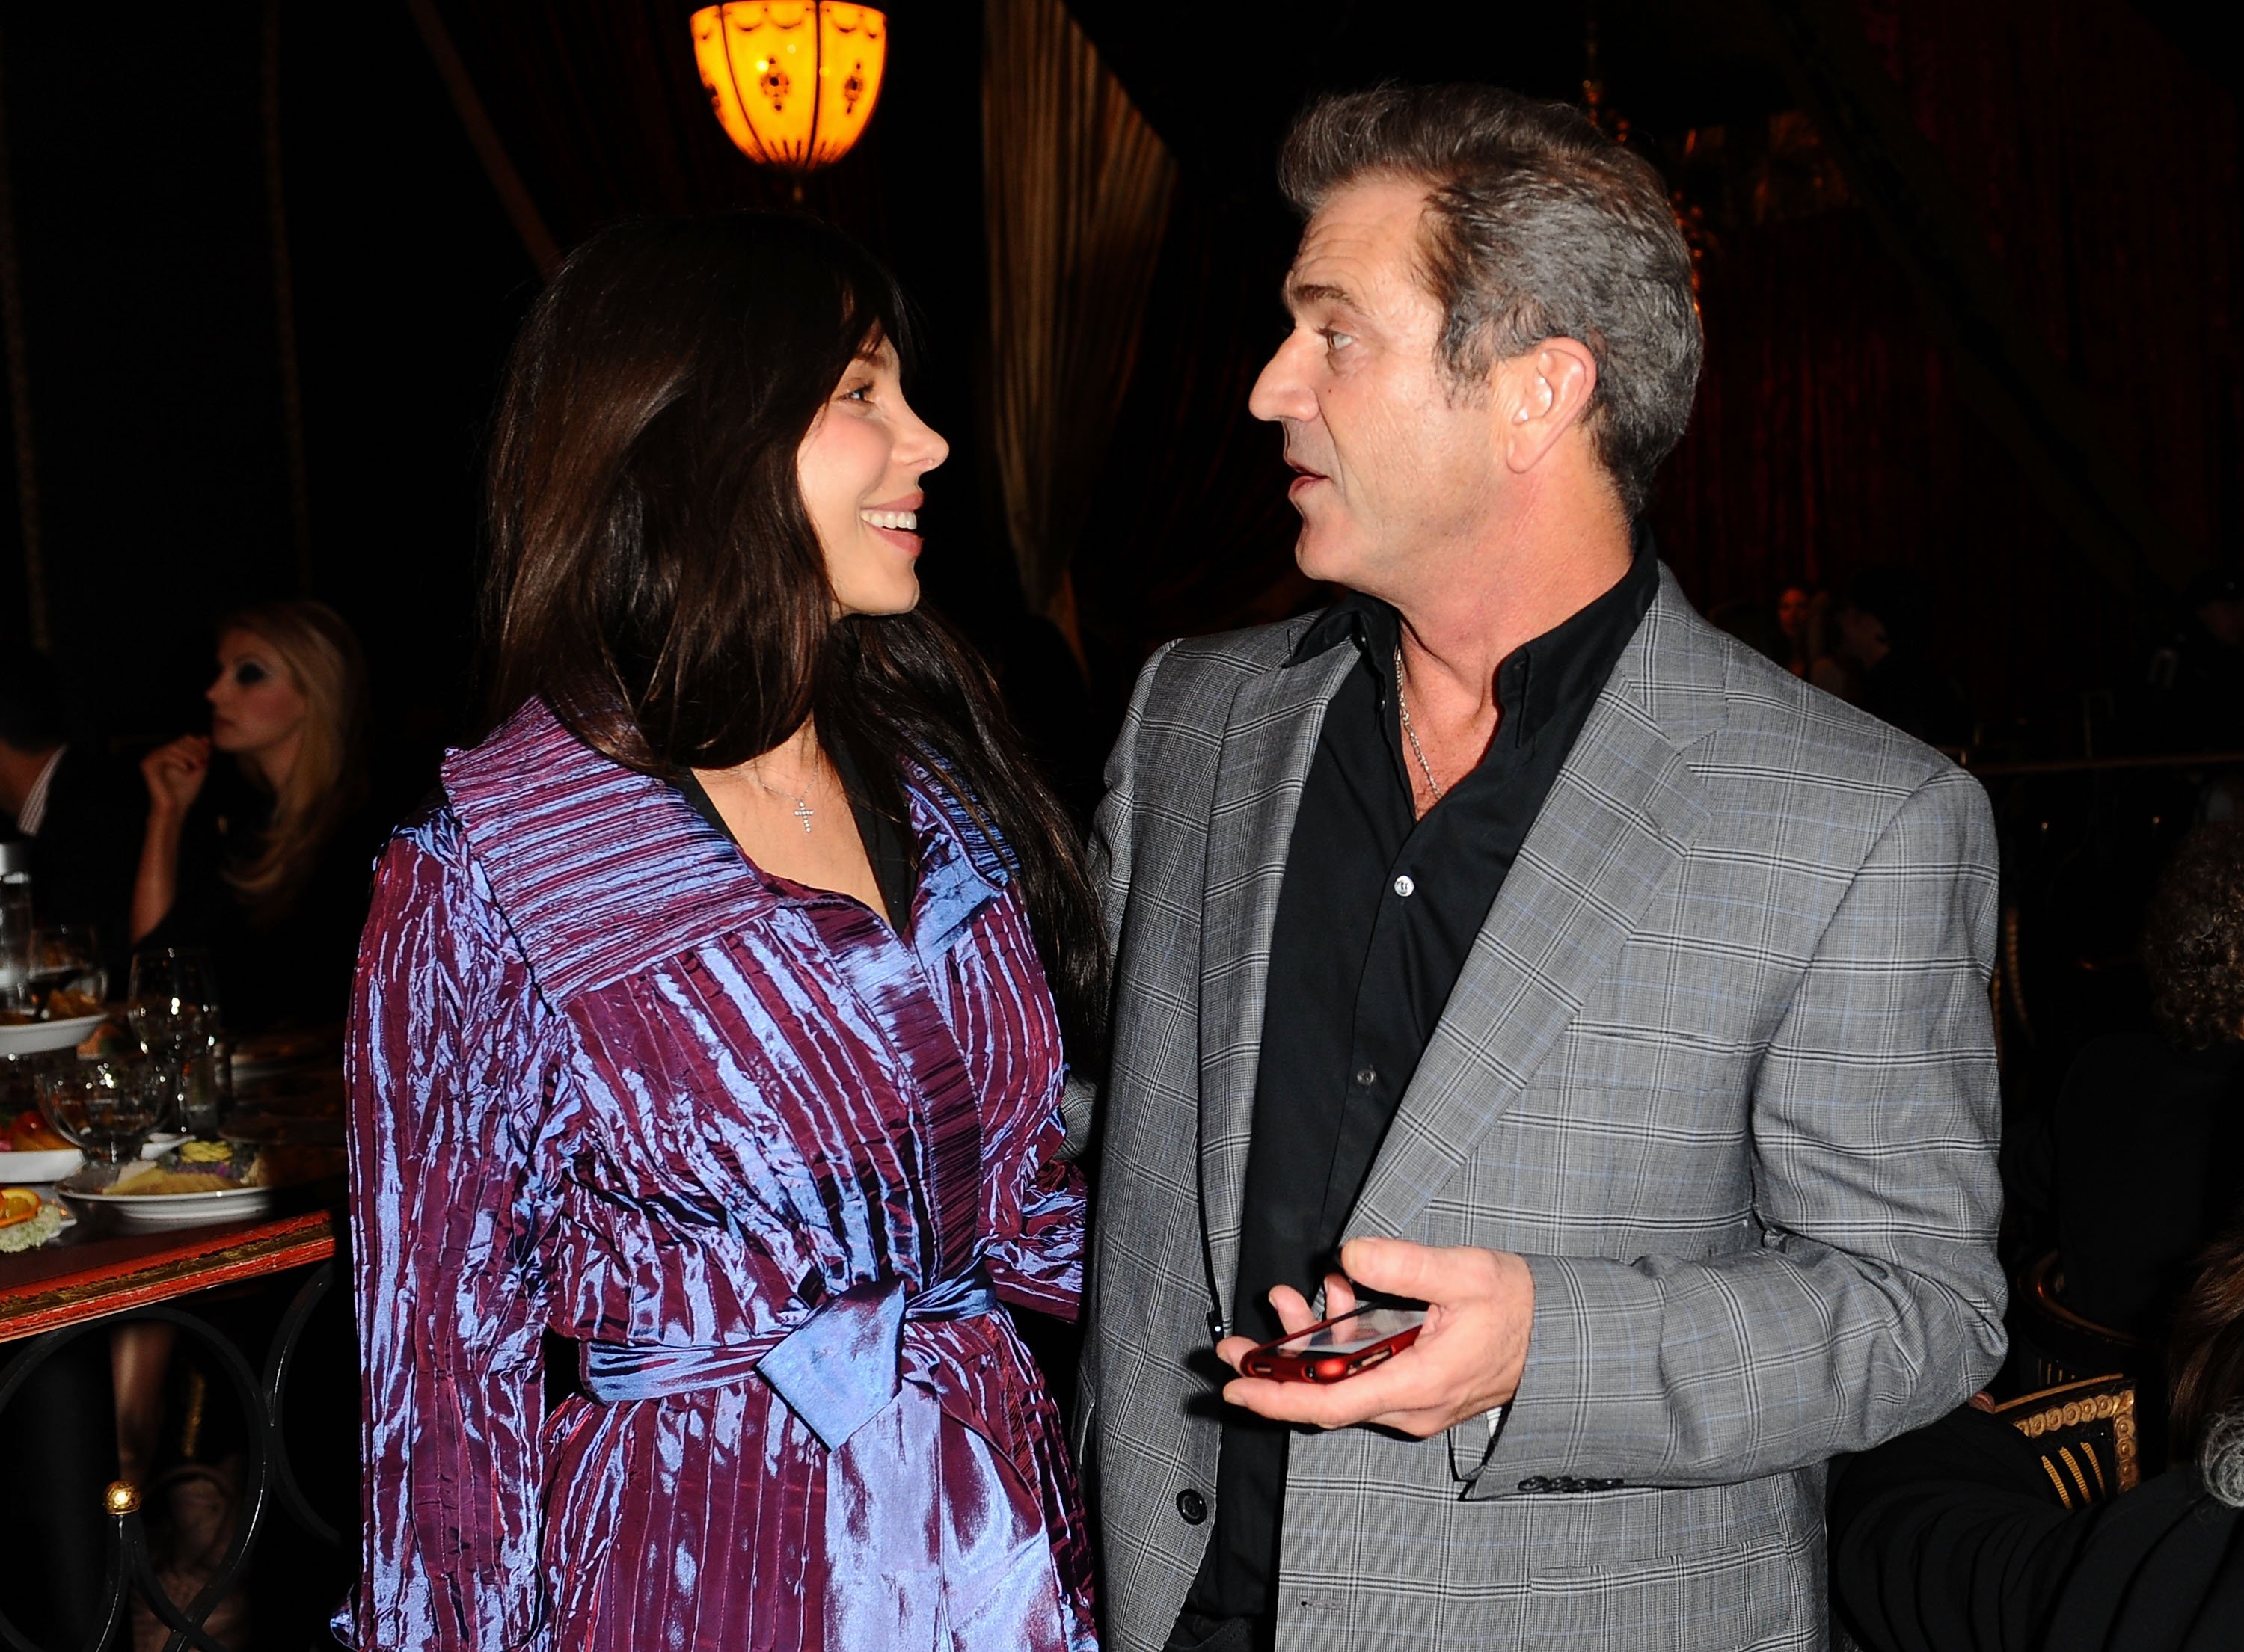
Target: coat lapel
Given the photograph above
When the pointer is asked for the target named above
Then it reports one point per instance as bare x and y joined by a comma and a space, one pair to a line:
1269, 743
1619, 818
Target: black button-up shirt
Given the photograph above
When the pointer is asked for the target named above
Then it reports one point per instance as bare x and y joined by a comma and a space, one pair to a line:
1377, 913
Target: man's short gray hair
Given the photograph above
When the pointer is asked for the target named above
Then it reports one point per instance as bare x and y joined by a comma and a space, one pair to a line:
1538, 226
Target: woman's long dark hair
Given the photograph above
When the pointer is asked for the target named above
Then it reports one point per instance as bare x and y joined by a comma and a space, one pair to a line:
654, 572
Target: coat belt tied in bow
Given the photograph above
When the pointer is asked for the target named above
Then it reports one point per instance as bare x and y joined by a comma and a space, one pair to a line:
837, 1369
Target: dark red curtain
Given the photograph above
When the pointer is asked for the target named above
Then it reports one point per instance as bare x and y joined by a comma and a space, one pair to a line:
2102, 168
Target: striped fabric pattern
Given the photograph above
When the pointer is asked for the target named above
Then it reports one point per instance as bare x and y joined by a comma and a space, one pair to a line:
612, 1082
1720, 1066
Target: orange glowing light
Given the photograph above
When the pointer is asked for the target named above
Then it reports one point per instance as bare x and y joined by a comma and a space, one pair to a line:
793, 84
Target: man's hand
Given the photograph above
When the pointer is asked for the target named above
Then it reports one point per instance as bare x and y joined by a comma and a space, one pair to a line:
1468, 1359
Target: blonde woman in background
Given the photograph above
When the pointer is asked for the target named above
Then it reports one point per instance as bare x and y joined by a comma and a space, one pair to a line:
266, 863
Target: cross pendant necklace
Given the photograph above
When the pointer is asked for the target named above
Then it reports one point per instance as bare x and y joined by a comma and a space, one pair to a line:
801, 810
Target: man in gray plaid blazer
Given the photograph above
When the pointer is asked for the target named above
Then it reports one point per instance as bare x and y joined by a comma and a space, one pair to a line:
1692, 1158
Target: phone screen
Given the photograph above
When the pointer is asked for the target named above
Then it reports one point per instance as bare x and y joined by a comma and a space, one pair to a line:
1357, 1331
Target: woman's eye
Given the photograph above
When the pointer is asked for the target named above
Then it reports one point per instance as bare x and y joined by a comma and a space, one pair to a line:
248, 674
858, 393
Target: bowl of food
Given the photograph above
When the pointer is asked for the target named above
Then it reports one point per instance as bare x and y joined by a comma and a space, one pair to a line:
25, 1032
32, 1150
196, 1181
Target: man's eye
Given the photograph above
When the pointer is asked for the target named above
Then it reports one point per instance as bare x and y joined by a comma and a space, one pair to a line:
1338, 340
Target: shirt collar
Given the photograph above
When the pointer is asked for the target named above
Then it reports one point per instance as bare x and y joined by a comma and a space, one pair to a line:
1536, 678
33, 814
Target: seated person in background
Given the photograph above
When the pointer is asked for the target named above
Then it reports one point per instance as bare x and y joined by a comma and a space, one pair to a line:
1754, 623
1795, 607
1885, 636
1951, 1539
2150, 1124
80, 811
269, 866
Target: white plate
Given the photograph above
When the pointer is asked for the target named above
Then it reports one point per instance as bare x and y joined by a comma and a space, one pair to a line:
33, 1038
50, 1164
171, 1210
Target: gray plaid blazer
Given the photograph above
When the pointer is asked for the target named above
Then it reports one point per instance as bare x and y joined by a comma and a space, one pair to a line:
1720, 1066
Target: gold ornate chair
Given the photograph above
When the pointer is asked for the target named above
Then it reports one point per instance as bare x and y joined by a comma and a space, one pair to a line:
2085, 1434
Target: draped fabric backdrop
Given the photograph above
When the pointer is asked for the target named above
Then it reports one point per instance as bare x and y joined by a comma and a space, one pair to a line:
2097, 160
1077, 190
2100, 165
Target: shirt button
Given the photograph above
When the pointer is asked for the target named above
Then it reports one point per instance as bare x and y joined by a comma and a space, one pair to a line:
1191, 1506
1405, 885
1367, 1076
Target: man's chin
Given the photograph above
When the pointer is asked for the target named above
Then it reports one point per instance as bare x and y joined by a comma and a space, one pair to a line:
1322, 555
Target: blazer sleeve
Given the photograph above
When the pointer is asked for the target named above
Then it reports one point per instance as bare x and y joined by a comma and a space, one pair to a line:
1111, 842
442, 1075
1873, 1302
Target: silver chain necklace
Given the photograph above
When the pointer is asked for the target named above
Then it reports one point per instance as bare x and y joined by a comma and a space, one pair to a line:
801, 810
1417, 750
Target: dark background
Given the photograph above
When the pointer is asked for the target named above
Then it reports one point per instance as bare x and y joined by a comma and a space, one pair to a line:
2060, 207
1995, 344
2091, 147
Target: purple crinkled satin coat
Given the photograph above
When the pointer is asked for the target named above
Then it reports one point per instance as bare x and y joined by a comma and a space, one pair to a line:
611, 1082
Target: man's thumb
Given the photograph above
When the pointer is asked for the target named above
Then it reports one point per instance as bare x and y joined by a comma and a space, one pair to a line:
1396, 1266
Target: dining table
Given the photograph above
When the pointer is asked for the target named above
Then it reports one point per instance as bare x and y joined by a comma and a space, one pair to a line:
108, 1270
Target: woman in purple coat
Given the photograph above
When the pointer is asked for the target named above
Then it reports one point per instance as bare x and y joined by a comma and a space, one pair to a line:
708, 1022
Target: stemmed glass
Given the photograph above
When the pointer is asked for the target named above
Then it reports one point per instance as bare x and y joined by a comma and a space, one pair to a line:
107, 1106
67, 957
172, 1006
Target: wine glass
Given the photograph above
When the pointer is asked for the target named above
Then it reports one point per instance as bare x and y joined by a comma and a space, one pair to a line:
173, 1008
16, 947
107, 1106
66, 957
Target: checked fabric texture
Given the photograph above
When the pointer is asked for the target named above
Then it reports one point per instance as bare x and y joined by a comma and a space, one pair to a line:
1720, 1067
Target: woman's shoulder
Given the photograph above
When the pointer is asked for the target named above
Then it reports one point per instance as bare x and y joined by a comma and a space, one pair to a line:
533, 750
945, 806
429, 838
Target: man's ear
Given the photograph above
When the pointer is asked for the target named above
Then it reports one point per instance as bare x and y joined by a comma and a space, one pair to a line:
1540, 396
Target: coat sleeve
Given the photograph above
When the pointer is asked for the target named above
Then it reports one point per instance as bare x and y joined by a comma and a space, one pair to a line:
1873, 1303
444, 1076
1949, 1536
1110, 850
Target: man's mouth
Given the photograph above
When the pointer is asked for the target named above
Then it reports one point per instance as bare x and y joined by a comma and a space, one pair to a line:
1304, 479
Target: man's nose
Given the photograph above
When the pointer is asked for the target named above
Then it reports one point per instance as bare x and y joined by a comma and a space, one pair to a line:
1281, 389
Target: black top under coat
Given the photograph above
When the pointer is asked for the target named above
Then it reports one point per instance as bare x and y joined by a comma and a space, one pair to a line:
884, 841
1361, 972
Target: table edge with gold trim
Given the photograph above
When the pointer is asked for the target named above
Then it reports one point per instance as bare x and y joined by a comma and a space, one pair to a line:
54, 1287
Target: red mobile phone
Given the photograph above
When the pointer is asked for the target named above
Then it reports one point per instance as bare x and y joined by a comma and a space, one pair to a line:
1339, 1348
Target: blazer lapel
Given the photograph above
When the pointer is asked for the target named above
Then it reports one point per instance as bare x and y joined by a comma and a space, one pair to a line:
1268, 744
1619, 820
